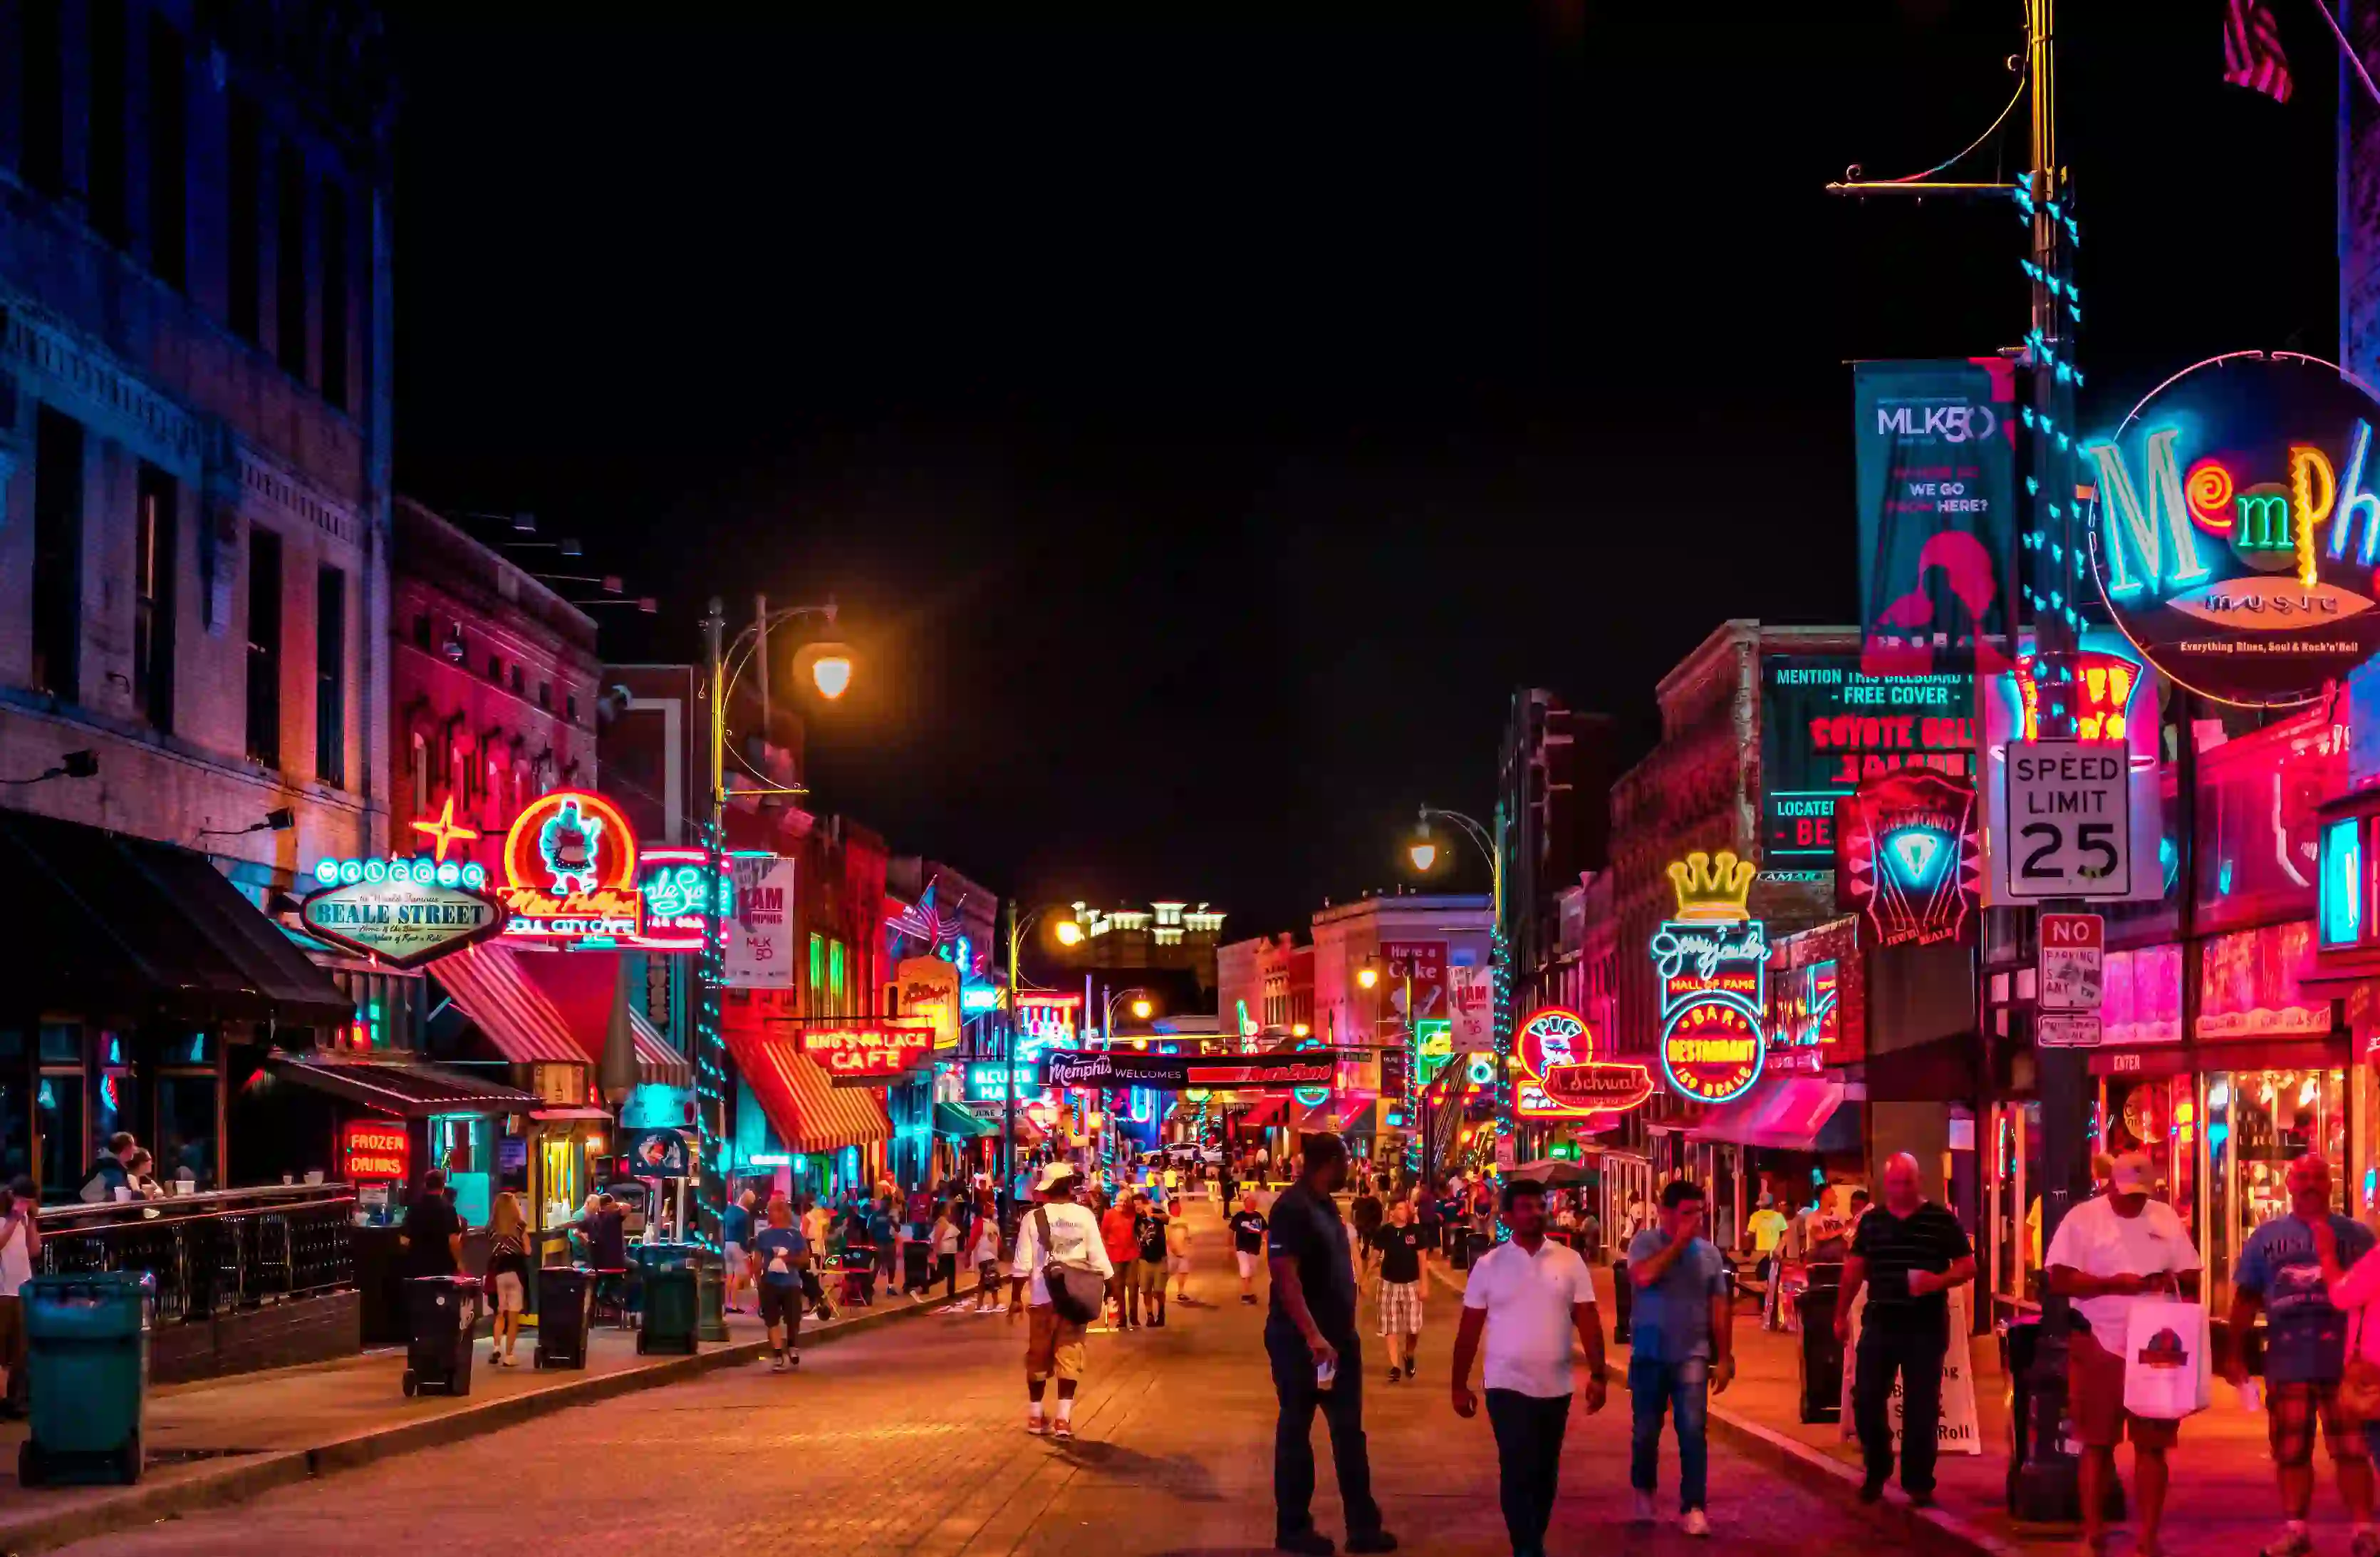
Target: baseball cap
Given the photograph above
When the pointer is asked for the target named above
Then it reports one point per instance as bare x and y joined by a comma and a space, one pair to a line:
2132, 1174
1055, 1174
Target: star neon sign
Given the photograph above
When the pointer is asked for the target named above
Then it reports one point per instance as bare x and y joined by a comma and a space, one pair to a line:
444, 831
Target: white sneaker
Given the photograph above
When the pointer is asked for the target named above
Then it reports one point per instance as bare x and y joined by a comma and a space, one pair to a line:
1643, 1512
1695, 1523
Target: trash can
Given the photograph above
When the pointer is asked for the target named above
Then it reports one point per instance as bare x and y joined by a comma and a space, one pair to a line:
563, 1292
917, 1266
671, 1312
1623, 1300
1819, 1358
87, 1339
443, 1311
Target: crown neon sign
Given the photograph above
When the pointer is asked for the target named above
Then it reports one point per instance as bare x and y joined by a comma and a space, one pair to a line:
1713, 964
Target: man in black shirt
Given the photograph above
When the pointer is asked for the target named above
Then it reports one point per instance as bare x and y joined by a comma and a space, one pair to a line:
433, 1232
1403, 1251
1909, 1252
1310, 1341
1248, 1244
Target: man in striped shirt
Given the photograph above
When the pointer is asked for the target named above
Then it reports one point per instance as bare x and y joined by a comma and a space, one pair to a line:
1909, 1253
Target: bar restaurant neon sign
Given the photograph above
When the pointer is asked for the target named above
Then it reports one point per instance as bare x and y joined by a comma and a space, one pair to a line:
570, 870
1712, 961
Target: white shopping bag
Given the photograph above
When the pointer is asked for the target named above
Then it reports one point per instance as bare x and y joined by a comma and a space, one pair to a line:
2168, 1374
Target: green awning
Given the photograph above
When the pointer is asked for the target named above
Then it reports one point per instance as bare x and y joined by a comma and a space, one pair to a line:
952, 1120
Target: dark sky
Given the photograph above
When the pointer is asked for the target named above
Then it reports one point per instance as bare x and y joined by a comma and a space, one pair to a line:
1207, 417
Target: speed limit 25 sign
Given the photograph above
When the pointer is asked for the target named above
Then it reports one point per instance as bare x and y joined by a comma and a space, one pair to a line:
2067, 828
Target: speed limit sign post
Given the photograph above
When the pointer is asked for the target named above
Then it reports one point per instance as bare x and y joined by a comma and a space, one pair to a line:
2067, 828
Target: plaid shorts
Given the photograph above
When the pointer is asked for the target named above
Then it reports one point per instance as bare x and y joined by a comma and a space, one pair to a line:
2291, 1412
1400, 1308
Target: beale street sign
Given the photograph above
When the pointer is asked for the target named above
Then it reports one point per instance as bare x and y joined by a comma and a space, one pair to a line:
400, 911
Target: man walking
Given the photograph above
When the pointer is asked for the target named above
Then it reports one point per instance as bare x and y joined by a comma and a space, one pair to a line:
1909, 1252
779, 1250
1403, 1253
1060, 1234
1529, 1296
1682, 1350
2305, 1354
2108, 1251
1316, 1363
1148, 1225
1248, 1244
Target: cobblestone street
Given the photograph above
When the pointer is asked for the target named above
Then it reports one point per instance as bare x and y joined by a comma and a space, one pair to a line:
910, 1440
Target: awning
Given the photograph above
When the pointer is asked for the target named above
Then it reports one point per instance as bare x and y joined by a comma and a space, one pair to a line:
516, 1016
1797, 1113
405, 1088
552, 1008
810, 1112
952, 1120
126, 927
1266, 1114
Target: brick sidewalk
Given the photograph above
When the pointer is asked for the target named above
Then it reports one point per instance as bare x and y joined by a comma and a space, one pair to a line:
223, 1440
2222, 1498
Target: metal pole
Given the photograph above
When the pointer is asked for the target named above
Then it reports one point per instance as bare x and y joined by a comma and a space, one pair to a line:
1008, 1073
760, 663
712, 1077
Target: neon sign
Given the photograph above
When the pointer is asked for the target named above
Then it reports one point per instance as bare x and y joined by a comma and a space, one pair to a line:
372, 1150
2237, 526
570, 870
1910, 856
1555, 1047
400, 912
875, 1051
1713, 964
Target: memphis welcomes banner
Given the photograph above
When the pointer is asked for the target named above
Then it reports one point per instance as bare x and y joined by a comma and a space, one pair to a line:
1936, 512
1174, 1073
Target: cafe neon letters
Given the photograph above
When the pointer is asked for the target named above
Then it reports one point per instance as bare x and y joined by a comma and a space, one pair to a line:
1712, 961
1561, 1077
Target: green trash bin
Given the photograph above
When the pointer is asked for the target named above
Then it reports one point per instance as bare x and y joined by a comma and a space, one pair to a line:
87, 1339
670, 1308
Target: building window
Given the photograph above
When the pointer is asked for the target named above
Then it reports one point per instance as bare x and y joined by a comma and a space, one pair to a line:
42, 97
105, 182
244, 197
545, 696
570, 705
169, 176
838, 984
422, 631
57, 554
333, 219
818, 976
518, 681
152, 596
420, 776
264, 646
331, 676
289, 263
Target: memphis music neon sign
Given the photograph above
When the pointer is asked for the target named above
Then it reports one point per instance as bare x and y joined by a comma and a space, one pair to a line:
1713, 964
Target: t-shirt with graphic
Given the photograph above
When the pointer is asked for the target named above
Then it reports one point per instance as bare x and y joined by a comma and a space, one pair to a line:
1149, 1230
1399, 1252
2305, 1335
779, 1251
1248, 1231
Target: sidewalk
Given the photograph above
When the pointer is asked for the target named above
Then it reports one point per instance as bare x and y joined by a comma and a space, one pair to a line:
219, 1440
2222, 1498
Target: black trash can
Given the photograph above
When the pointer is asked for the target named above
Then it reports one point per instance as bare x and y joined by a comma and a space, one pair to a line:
1819, 1358
563, 1294
442, 1312
917, 1266
1623, 1300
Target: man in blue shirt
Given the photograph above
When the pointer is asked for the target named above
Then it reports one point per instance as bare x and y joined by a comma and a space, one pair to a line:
736, 1235
779, 1251
2305, 1354
1681, 1347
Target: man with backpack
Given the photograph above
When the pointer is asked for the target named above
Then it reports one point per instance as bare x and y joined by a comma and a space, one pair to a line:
1062, 1255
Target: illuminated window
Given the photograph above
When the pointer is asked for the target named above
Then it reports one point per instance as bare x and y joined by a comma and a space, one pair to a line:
2342, 882
836, 990
818, 972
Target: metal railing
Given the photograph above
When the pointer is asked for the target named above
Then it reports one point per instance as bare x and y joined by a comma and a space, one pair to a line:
224, 1250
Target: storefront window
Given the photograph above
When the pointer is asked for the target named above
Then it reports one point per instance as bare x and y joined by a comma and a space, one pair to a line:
2160, 1118
185, 1128
2016, 1217
2256, 1123
2248, 984
2142, 998
57, 1115
2258, 839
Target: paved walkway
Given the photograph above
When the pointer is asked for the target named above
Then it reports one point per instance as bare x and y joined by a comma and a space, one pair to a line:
2222, 1499
908, 1440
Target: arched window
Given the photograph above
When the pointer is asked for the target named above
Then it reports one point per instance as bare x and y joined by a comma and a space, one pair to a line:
421, 775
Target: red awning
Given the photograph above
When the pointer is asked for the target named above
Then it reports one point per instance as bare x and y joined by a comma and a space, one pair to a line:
1788, 1114
581, 986
517, 1017
810, 1112
1267, 1112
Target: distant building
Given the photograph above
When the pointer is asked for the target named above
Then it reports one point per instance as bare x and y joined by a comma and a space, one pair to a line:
1556, 768
1167, 936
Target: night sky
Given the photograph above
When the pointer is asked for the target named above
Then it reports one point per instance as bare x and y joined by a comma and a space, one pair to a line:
1207, 419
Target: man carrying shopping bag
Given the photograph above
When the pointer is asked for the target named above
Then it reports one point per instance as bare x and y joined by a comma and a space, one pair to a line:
2110, 1255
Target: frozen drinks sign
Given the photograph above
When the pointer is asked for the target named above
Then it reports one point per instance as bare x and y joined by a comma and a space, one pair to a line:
2237, 526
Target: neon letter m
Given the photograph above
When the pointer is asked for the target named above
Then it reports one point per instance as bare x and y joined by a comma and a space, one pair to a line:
2122, 516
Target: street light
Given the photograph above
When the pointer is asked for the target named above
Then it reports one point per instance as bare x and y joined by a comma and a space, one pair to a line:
1141, 1010
830, 674
1491, 844
1069, 933
1367, 976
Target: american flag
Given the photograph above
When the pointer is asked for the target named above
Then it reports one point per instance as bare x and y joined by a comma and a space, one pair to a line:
2251, 49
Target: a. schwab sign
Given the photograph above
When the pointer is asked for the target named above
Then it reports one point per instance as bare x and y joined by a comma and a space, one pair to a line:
1827, 727
1173, 1073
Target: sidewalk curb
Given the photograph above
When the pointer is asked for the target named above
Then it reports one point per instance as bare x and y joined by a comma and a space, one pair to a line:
1832, 1479
234, 1481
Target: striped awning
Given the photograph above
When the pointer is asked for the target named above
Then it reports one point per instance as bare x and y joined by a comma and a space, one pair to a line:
657, 1063
810, 1113
517, 1017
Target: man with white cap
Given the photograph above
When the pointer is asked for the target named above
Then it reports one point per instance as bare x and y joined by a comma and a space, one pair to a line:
1059, 1234
2109, 1251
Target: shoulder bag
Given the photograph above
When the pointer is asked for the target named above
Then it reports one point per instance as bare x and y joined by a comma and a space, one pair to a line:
1076, 1289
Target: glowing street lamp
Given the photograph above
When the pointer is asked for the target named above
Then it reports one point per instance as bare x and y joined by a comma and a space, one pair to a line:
830, 674
1141, 1009
1367, 976
1423, 851
1069, 933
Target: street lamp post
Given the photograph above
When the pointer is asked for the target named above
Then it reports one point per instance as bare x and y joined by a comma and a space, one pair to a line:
710, 1073
1070, 933
1424, 851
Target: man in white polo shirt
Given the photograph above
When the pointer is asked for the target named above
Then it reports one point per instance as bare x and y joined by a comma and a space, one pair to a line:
1530, 1296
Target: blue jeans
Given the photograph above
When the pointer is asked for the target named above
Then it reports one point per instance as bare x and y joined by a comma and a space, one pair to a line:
1656, 1389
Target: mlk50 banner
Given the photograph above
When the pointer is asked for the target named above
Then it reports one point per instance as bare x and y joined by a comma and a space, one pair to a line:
1938, 514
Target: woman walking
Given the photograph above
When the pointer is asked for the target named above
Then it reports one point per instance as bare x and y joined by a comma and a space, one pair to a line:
508, 1273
